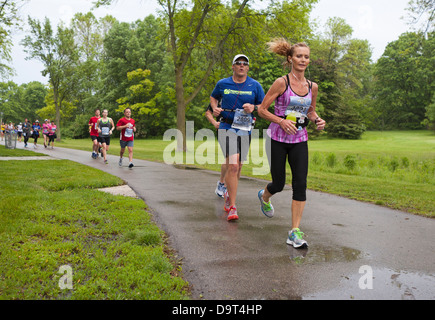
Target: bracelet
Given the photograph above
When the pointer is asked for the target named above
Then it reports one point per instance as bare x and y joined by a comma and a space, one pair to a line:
280, 121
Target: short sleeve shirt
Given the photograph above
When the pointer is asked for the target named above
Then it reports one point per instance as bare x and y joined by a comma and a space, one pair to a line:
127, 134
235, 95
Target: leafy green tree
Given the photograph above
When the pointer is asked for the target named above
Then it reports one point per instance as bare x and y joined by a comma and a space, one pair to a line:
342, 68
203, 34
58, 53
10, 101
404, 81
429, 122
89, 34
9, 20
34, 94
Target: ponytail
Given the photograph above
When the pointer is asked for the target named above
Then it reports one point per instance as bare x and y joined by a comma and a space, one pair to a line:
282, 47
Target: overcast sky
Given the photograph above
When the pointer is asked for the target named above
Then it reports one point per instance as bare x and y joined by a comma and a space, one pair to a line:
378, 21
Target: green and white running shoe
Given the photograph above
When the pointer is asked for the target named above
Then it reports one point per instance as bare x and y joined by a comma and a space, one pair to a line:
266, 208
295, 239
220, 189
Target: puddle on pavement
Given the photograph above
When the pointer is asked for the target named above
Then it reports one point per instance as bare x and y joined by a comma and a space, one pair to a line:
184, 167
318, 254
386, 284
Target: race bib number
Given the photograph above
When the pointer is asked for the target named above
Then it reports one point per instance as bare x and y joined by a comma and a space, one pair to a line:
105, 131
128, 132
242, 120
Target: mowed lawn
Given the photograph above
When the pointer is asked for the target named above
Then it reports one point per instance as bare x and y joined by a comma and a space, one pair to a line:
61, 238
395, 169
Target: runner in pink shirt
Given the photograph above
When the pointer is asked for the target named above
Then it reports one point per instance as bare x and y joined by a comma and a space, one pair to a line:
45, 131
52, 134
286, 141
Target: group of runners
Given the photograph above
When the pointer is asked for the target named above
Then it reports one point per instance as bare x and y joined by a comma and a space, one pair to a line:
101, 129
233, 103
33, 130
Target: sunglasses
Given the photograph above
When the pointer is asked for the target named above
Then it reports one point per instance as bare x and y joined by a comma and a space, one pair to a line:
241, 63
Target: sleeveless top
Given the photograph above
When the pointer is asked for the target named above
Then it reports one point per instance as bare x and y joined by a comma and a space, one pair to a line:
292, 101
105, 128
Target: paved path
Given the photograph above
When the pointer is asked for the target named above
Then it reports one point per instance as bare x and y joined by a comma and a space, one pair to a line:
250, 260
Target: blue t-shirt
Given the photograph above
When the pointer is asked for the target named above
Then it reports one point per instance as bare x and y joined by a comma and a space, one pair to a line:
36, 129
235, 95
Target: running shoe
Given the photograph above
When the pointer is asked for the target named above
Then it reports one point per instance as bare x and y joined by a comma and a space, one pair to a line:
120, 162
131, 165
295, 239
266, 208
232, 214
220, 189
227, 202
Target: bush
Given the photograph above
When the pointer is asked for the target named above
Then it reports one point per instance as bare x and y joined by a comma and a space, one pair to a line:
331, 160
393, 164
350, 162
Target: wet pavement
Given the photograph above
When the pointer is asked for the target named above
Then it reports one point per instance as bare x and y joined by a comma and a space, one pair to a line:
357, 250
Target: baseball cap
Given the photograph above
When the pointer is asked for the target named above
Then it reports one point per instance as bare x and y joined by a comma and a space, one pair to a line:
240, 56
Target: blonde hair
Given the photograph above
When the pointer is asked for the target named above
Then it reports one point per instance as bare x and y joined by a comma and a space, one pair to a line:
282, 47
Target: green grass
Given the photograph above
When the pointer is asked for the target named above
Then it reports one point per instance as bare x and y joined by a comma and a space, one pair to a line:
395, 169
4, 152
50, 217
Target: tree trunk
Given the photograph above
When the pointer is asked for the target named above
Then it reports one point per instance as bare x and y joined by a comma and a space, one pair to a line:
181, 110
57, 106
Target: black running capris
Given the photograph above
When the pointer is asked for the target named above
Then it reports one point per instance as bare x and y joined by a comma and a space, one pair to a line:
297, 156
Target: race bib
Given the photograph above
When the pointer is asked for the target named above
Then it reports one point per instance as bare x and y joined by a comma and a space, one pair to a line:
128, 133
242, 120
300, 119
105, 131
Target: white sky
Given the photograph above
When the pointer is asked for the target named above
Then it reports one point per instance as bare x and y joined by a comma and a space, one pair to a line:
378, 21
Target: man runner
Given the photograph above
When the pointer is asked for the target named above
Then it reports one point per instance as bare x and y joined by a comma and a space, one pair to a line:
93, 131
239, 94
127, 126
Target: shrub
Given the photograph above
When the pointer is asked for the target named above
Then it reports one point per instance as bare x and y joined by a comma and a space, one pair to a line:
393, 164
331, 160
350, 162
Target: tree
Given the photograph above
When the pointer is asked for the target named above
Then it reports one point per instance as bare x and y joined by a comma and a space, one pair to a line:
89, 34
203, 34
58, 53
139, 98
422, 11
404, 81
9, 20
341, 67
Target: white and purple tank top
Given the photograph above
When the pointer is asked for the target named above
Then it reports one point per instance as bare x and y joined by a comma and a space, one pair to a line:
289, 100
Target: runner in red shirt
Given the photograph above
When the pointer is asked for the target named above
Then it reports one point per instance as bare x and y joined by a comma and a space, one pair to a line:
127, 127
93, 131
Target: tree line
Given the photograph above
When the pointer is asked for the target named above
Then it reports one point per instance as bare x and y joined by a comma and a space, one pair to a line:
164, 68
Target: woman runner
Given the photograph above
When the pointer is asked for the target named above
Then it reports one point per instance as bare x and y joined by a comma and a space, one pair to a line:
295, 105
